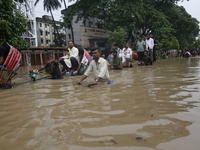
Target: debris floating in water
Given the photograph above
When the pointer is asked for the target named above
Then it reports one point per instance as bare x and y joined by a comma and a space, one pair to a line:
138, 138
113, 141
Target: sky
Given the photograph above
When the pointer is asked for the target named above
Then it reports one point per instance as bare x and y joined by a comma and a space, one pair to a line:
39, 11
191, 6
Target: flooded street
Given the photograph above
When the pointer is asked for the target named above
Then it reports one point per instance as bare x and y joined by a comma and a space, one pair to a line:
147, 108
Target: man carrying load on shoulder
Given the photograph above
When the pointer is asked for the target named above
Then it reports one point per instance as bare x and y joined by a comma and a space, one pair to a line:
99, 67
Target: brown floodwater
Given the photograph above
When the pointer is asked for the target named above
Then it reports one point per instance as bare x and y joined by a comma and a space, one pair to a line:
147, 108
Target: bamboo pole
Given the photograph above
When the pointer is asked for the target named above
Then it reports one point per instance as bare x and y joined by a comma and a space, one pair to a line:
41, 60
26, 58
54, 54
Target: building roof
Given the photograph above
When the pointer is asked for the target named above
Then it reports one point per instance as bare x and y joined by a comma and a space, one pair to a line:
97, 38
47, 19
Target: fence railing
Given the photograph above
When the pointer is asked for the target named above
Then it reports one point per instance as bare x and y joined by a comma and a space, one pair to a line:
37, 55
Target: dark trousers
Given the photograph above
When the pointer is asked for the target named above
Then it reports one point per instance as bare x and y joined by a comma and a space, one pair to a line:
140, 56
74, 63
151, 54
154, 55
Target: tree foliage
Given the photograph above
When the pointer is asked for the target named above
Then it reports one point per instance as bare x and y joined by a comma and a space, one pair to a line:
174, 44
163, 18
12, 25
197, 43
118, 36
186, 28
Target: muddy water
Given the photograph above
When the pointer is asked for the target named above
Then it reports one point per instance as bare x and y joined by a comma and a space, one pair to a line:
160, 104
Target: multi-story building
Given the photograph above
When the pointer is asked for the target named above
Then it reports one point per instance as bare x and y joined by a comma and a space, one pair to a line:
46, 32
88, 34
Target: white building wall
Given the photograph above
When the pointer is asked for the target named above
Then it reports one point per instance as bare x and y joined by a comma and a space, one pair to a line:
45, 32
76, 31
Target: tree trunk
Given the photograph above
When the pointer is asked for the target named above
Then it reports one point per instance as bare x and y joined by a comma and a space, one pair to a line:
71, 28
65, 4
55, 28
72, 33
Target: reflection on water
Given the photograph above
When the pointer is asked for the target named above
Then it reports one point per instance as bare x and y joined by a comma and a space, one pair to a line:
159, 103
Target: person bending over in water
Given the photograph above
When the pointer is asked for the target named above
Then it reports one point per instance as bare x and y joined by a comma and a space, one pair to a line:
99, 67
117, 62
147, 60
52, 66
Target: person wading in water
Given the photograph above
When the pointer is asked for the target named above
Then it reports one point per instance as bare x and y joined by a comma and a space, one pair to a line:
99, 67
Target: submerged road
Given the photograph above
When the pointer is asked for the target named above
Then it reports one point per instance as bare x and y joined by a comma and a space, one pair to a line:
147, 108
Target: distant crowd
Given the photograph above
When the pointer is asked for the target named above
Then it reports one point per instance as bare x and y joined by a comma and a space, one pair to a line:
81, 62
145, 48
189, 53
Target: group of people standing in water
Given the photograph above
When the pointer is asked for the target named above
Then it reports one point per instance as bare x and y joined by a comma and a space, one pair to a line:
145, 48
79, 62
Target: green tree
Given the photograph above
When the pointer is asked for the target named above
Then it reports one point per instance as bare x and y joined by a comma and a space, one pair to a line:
186, 28
50, 5
68, 22
175, 44
118, 36
140, 17
197, 44
12, 25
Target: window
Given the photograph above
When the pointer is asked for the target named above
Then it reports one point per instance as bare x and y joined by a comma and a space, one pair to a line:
69, 36
46, 33
45, 25
41, 32
40, 24
47, 42
41, 41
90, 23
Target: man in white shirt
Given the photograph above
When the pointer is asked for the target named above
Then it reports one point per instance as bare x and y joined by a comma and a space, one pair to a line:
119, 51
149, 46
70, 60
127, 55
99, 67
